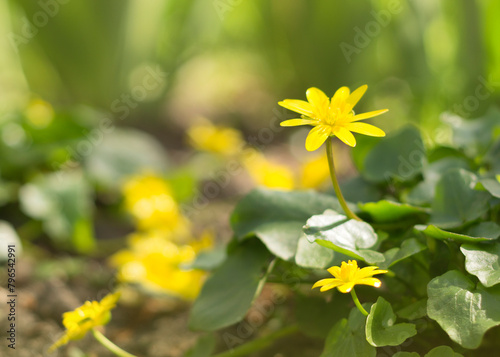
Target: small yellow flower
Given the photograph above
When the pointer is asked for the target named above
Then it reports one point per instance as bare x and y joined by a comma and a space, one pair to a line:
331, 118
215, 139
348, 275
86, 317
155, 262
149, 199
314, 172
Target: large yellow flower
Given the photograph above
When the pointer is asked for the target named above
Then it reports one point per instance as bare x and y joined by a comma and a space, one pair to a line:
86, 317
331, 118
348, 275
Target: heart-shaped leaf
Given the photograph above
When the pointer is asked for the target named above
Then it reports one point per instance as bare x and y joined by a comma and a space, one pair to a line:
462, 310
483, 261
276, 217
443, 351
408, 248
381, 329
313, 255
348, 338
347, 236
455, 201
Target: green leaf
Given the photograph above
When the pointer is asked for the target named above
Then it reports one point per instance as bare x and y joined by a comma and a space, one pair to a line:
463, 311
413, 311
455, 201
423, 192
124, 153
229, 292
209, 259
483, 261
408, 248
381, 329
276, 217
315, 316
204, 347
485, 229
347, 236
476, 135
313, 255
358, 189
348, 338
443, 351
437, 233
492, 186
63, 201
400, 156
389, 211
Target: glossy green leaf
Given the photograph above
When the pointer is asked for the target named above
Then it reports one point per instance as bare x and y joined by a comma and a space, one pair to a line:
483, 261
348, 338
228, 293
347, 236
381, 327
399, 156
485, 229
413, 311
313, 255
463, 310
455, 201
389, 211
406, 354
408, 248
276, 217
209, 259
492, 186
437, 233
443, 351
423, 192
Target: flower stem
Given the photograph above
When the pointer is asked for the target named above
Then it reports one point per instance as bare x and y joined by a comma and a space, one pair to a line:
358, 304
336, 187
110, 345
259, 343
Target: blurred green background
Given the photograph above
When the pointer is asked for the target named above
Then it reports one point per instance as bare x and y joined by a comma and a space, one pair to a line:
156, 66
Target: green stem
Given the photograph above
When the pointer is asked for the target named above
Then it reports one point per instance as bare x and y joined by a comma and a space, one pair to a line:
336, 187
358, 304
259, 343
110, 345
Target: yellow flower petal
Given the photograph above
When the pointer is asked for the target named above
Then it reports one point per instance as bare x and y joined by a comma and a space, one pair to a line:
345, 135
368, 115
331, 286
319, 101
369, 281
345, 288
299, 106
317, 137
366, 129
335, 271
324, 282
340, 96
297, 122
355, 97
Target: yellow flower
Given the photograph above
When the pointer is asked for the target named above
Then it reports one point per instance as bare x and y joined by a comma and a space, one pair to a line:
86, 317
268, 174
149, 199
157, 263
331, 118
348, 275
314, 172
215, 139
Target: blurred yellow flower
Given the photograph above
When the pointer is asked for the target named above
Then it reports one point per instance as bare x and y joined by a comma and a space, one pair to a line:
269, 174
86, 317
314, 172
215, 139
39, 113
148, 198
157, 263
348, 275
331, 118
